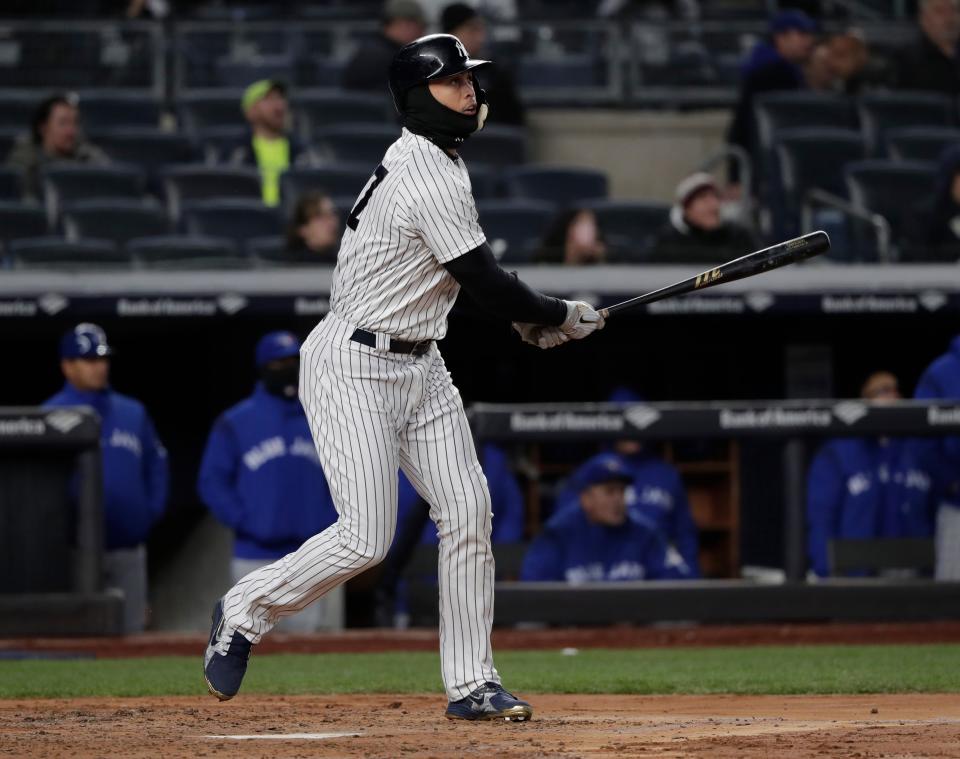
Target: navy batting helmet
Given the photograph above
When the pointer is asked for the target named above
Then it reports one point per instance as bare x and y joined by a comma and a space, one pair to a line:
86, 340
432, 57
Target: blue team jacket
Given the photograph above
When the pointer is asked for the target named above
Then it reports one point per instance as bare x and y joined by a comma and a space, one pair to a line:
942, 380
658, 495
505, 497
573, 549
864, 488
261, 476
135, 470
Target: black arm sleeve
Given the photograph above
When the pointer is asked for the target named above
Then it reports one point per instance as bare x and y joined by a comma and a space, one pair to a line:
491, 287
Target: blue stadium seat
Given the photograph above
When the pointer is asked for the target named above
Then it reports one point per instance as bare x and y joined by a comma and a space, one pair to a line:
236, 219
485, 180
321, 71
359, 143
231, 72
150, 149
114, 220
343, 180
11, 185
8, 136
891, 189
315, 112
18, 220
881, 112
186, 184
17, 108
775, 111
187, 252
573, 71
493, 145
57, 253
628, 226
920, 143
563, 186
218, 143
270, 249
514, 227
113, 109
66, 183
201, 110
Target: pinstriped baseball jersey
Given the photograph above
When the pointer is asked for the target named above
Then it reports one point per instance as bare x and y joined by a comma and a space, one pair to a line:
415, 213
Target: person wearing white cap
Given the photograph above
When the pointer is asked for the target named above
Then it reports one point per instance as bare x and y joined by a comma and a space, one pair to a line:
697, 231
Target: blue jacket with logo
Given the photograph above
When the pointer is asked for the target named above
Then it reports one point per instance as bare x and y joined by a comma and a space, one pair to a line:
571, 548
505, 497
866, 488
942, 380
261, 476
658, 495
135, 469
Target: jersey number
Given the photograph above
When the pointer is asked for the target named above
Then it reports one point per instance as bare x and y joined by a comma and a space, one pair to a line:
354, 218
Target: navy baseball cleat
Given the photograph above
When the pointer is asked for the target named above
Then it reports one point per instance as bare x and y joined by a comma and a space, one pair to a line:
490, 701
225, 660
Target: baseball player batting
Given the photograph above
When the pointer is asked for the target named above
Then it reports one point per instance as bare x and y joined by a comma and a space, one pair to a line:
378, 395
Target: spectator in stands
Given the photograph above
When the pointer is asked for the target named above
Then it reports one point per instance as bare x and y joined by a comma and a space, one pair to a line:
849, 61
135, 470
933, 226
269, 146
313, 234
696, 231
866, 487
401, 22
599, 538
414, 527
818, 69
54, 136
260, 474
574, 238
776, 64
942, 380
932, 63
466, 24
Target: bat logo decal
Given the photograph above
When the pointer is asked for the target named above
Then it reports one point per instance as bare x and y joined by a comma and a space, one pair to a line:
708, 277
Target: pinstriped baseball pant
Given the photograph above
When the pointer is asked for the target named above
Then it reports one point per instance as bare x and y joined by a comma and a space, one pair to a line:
372, 412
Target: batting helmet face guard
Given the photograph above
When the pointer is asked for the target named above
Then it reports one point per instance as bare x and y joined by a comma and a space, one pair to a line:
435, 56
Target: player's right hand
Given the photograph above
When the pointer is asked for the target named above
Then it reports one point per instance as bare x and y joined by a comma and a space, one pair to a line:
582, 320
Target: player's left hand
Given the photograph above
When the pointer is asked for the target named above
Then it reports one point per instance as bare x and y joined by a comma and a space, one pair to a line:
582, 320
542, 336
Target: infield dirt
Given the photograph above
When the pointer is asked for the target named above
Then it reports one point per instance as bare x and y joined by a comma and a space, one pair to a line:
919, 725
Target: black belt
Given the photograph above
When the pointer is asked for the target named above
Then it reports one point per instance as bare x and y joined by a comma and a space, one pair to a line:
396, 346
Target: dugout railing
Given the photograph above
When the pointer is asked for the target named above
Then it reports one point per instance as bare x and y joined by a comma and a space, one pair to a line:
799, 423
51, 525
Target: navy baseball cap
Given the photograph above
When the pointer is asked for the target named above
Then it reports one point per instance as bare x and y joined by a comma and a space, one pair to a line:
792, 19
604, 467
277, 345
86, 340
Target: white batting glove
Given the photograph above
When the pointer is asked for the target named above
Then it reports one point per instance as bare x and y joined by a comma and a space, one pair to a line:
542, 336
582, 320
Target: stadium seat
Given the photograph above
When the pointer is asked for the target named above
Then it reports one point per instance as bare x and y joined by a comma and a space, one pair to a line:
318, 111
239, 73
881, 112
485, 181
358, 143
114, 109
66, 183
185, 184
553, 184
218, 143
201, 110
496, 146
17, 108
11, 186
321, 71
150, 149
269, 249
891, 189
571, 71
775, 111
343, 180
514, 227
57, 253
920, 143
628, 226
187, 252
114, 220
808, 159
18, 220
8, 136
236, 219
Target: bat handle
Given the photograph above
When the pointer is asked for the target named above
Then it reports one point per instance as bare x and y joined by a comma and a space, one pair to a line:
605, 313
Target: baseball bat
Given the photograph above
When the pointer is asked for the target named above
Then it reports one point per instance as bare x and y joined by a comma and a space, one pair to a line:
781, 254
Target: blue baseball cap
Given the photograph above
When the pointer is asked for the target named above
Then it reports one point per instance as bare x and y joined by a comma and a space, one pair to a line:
792, 19
604, 467
277, 345
86, 340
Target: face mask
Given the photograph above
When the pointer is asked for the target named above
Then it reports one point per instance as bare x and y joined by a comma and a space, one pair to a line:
281, 381
443, 126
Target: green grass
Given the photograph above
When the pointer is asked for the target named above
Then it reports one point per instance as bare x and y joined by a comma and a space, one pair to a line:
754, 670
